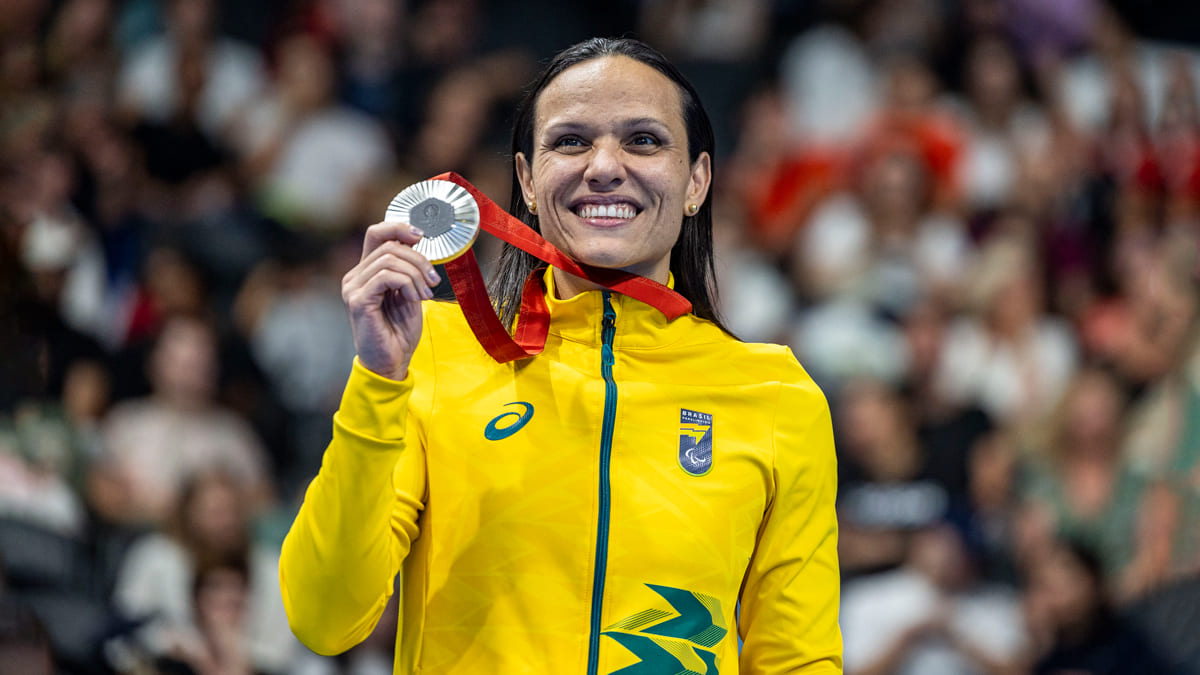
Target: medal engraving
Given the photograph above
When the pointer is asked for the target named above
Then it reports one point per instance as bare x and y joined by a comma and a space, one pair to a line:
434, 216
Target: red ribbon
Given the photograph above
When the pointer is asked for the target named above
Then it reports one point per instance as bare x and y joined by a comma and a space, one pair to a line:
534, 319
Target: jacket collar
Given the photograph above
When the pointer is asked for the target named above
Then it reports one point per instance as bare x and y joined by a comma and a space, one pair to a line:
638, 325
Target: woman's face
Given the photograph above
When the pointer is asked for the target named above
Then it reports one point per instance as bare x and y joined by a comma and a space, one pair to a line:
215, 515
610, 169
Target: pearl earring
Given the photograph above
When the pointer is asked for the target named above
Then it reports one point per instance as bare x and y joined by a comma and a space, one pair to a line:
692, 209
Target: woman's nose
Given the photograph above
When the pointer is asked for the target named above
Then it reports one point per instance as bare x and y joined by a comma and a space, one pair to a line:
605, 169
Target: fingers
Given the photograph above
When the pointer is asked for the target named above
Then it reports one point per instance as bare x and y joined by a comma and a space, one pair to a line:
394, 250
391, 266
379, 233
376, 287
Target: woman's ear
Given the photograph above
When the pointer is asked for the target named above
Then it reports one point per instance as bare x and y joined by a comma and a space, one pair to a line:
524, 177
700, 180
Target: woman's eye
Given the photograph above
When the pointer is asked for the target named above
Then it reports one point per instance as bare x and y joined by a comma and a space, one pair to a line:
569, 142
644, 140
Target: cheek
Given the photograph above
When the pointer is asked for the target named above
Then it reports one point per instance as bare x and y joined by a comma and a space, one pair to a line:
552, 173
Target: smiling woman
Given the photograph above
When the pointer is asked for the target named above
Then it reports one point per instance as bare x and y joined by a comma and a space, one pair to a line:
634, 498
610, 167
670, 114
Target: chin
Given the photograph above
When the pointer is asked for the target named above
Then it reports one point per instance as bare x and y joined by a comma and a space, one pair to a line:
610, 261
601, 256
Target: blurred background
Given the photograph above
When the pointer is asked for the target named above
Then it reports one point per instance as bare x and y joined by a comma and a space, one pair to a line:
975, 222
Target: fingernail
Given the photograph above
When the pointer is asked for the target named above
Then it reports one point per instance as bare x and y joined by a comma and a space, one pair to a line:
434, 277
417, 231
428, 292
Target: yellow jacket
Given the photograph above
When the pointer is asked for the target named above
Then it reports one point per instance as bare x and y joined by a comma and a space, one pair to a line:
604, 507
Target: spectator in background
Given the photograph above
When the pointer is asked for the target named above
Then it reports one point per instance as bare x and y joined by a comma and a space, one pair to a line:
757, 300
446, 32
932, 616
954, 434
993, 471
45, 451
999, 123
883, 245
227, 74
179, 578
1152, 333
58, 247
154, 444
219, 596
309, 157
456, 119
111, 184
79, 45
717, 30
371, 67
886, 490
1156, 349
293, 321
1008, 357
797, 135
1081, 487
1072, 621
171, 284
890, 238
870, 255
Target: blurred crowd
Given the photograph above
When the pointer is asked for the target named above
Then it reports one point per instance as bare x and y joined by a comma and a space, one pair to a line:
976, 224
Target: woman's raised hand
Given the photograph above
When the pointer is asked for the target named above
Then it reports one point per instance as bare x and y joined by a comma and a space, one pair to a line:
383, 293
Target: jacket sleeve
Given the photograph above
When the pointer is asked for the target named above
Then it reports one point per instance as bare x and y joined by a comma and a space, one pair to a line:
789, 605
358, 520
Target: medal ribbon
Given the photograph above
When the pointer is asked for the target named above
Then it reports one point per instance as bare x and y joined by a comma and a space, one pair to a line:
533, 321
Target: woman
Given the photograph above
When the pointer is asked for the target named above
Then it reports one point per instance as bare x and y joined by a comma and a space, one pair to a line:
1084, 487
607, 505
210, 527
1076, 628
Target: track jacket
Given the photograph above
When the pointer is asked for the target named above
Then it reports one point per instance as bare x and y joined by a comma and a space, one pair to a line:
630, 501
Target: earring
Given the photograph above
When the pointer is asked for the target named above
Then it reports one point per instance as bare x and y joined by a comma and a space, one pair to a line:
532, 205
692, 209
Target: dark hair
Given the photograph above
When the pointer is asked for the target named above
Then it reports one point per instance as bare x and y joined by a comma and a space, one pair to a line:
692, 255
203, 553
237, 562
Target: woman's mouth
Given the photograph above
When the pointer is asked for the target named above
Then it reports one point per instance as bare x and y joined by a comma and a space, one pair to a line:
606, 212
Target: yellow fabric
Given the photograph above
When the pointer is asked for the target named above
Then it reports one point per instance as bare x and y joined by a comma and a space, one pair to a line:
500, 579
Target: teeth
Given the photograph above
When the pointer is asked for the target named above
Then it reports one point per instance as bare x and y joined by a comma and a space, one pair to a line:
623, 211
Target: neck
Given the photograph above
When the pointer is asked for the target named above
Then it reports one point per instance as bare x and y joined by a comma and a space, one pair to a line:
567, 285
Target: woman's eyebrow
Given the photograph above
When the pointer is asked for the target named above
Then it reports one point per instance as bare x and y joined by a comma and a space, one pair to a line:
572, 126
644, 122
566, 126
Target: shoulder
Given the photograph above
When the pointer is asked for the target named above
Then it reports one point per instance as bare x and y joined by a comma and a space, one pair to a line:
752, 362
797, 399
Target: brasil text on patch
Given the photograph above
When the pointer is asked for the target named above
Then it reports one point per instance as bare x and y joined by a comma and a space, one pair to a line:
695, 442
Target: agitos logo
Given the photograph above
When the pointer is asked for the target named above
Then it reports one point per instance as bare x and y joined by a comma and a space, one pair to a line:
495, 432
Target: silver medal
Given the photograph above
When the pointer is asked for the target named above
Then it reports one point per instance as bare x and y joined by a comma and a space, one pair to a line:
445, 211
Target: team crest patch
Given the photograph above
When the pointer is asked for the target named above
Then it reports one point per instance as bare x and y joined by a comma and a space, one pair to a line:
695, 442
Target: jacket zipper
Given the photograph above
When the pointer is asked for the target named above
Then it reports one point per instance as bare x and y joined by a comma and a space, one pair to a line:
608, 331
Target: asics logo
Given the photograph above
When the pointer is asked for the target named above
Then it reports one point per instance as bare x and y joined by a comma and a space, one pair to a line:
495, 432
